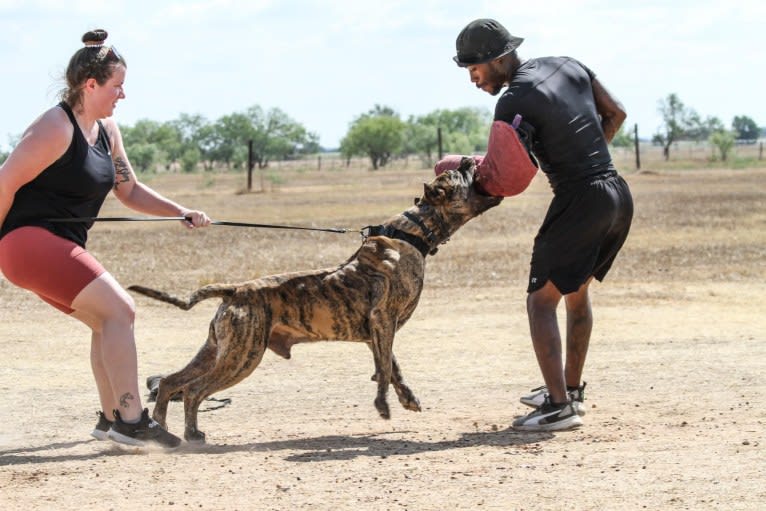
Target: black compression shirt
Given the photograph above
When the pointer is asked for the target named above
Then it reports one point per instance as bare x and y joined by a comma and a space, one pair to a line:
554, 97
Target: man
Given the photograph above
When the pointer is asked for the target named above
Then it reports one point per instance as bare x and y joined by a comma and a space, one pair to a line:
565, 117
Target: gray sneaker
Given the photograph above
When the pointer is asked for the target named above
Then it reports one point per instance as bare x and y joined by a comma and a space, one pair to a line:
536, 397
549, 417
145, 432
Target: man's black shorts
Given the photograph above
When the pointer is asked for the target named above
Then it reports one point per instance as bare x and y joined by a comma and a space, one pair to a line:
584, 229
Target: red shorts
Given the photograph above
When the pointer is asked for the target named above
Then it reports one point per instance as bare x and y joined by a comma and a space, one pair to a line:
54, 268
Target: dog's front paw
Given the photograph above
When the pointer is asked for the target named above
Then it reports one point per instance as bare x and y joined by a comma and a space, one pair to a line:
382, 406
410, 403
194, 436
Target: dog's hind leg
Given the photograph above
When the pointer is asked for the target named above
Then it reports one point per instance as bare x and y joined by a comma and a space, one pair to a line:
223, 376
241, 348
172, 384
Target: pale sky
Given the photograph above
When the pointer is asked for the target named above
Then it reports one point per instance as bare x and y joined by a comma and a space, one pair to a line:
326, 62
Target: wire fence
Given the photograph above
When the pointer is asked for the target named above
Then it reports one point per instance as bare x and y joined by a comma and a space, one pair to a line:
650, 156
682, 154
686, 152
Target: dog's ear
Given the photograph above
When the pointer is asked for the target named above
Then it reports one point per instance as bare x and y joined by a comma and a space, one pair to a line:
417, 201
434, 194
466, 162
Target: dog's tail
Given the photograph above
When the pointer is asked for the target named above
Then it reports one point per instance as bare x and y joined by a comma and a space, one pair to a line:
203, 293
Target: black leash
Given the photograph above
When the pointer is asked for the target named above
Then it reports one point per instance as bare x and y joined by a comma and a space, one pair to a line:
213, 222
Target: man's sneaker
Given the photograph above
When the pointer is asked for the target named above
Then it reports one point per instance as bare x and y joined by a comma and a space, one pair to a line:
536, 397
549, 417
145, 432
101, 431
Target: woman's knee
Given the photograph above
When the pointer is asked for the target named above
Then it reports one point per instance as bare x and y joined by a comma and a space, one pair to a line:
104, 299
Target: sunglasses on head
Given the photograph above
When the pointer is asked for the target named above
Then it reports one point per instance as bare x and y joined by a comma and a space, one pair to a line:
107, 51
111, 51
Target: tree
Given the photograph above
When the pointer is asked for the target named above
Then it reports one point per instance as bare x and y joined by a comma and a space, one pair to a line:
378, 134
464, 131
724, 141
143, 156
197, 138
676, 120
232, 132
156, 142
276, 135
190, 158
700, 129
622, 138
745, 128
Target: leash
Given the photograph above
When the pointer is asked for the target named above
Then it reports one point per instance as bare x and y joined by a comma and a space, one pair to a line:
213, 222
365, 232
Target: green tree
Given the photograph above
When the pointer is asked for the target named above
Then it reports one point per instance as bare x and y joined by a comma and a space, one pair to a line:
232, 132
724, 141
378, 134
700, 129
676, 120
143, 156
745, 128
623, 138
464, 131
190, 159
197, 137
276, 135
164, 138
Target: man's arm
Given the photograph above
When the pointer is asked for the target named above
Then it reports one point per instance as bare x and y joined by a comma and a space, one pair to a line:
609, 108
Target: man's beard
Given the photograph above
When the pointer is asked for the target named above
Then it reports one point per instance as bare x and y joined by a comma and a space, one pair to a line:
498, 81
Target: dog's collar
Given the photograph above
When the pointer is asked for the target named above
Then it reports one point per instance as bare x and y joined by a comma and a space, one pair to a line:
392, 232
427, 246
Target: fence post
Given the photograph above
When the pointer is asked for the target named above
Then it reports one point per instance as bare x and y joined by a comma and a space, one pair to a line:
250, 165
439, 141
760, 152
635, 139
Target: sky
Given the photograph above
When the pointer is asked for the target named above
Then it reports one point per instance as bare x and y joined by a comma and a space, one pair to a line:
326, 62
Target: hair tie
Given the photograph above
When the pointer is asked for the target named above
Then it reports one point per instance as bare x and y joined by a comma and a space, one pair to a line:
94, 45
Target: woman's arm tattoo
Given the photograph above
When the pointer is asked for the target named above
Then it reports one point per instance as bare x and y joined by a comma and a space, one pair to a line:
121, 172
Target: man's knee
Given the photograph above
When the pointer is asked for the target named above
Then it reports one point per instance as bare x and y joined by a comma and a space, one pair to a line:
546, 298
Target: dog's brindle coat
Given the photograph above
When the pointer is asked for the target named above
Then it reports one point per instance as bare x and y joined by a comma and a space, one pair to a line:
367, 298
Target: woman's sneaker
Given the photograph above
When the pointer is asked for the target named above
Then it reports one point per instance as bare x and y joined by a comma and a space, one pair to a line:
101, 431
536, 397
145, 432
549, 417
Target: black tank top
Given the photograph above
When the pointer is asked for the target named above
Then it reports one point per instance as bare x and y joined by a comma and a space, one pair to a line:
75, 185
559, 121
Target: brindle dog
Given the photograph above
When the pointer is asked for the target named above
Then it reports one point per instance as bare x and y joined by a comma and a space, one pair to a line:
367, 298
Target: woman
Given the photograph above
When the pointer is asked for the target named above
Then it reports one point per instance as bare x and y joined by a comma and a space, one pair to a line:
65, 164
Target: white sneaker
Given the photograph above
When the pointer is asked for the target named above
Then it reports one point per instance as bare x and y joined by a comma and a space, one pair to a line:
536, 397
549, 417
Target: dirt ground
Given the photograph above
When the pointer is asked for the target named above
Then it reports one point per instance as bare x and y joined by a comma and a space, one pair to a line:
675, 397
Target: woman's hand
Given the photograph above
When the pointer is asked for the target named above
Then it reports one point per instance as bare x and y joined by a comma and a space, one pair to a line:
195, 218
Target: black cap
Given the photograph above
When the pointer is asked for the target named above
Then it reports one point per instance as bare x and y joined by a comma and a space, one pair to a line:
483, 40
